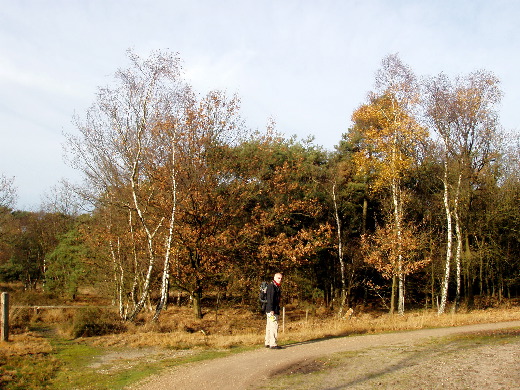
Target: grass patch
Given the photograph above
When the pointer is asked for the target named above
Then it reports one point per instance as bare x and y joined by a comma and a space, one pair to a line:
494, 337
45, 360
27, 372
27, 362
93, 371
75, 359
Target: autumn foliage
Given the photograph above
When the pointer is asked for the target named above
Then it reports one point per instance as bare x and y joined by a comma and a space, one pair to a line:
184, 204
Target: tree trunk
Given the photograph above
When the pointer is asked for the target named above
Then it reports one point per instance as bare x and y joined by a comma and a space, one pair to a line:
119, 277
447, 263
197, 306
165, 282
149, 235
397, 221
400, 306
393, 294
458, 252
365, 214
340, 253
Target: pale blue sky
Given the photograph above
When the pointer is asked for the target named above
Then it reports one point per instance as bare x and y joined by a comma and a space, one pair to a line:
307, 64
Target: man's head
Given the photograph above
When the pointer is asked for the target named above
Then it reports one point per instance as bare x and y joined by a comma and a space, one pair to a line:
278, 278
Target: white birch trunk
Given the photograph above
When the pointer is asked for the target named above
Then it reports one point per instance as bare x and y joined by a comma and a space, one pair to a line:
137, 273
149, 234
458, 252
165, 282
398, 232
340, 252
447, 262
118, 271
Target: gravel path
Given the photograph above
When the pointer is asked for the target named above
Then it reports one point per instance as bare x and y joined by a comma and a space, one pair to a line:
396, 352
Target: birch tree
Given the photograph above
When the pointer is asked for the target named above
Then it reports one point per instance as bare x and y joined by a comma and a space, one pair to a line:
463, 113
392, 137
341, 259
116, 149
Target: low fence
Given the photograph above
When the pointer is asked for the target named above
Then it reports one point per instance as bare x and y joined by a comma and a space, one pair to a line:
4, 309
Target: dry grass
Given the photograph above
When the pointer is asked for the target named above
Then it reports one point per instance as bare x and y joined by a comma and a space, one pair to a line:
364, 323
178, 329
43, 343
30, 343
234, 327
26, 362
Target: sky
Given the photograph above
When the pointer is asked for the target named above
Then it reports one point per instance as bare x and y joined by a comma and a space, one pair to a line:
307, 64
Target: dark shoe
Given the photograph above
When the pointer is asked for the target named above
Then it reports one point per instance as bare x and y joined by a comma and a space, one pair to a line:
267, 346
276, 347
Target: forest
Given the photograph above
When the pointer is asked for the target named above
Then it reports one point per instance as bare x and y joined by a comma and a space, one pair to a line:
182, 203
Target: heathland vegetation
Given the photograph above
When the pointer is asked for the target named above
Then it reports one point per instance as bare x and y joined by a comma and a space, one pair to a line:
183, 206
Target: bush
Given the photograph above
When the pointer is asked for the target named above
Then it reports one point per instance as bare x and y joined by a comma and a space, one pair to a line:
10, 272
90, 322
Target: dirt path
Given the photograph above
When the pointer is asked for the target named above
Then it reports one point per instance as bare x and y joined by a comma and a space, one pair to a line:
392, 360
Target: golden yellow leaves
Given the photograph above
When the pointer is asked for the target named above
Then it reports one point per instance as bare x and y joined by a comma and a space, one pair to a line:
389, 140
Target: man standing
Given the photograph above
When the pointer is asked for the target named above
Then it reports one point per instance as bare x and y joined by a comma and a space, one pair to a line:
272, 311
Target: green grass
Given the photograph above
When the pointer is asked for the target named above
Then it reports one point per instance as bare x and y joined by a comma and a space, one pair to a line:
76, 361
77, 372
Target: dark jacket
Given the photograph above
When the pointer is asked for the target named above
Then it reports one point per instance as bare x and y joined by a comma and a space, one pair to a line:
273, 298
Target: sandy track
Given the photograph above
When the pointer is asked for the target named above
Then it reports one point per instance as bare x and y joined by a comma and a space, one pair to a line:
251, 370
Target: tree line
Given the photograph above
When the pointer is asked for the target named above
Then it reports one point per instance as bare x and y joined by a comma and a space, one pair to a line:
417, 204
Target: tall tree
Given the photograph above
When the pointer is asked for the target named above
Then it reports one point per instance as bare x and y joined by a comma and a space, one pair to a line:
350, 203
117, 152
67, 265
282, 226
463, 113
392, 138
209, 193
152, 151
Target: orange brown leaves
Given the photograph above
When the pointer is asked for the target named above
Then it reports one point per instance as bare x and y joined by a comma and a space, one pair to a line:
384, 251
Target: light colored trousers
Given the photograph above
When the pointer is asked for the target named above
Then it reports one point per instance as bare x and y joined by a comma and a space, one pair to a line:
271, 330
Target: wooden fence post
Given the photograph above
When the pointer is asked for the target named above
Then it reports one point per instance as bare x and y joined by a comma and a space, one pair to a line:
283, 320
5, 316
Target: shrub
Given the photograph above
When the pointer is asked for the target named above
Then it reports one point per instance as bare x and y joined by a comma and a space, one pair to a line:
90, 322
